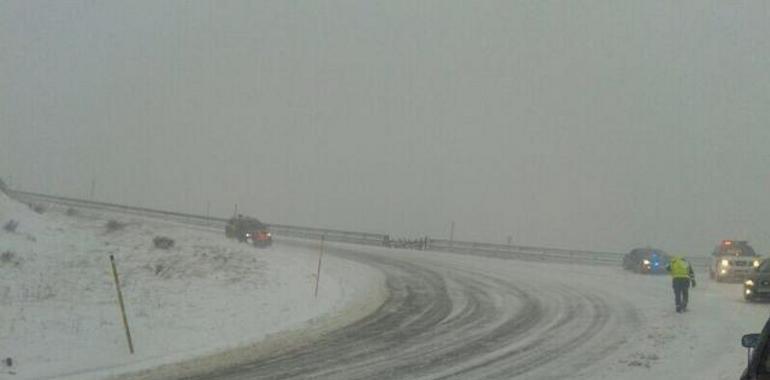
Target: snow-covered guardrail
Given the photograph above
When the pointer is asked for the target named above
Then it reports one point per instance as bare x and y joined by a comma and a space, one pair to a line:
364, 238
526, 252
353, 237
29, 197
278, 229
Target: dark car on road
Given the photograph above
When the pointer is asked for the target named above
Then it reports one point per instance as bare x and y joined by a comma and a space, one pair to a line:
249, 230
758, 367
646, 260
757, 285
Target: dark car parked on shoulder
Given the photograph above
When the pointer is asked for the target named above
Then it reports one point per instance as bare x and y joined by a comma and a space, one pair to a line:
646, 260
758, 367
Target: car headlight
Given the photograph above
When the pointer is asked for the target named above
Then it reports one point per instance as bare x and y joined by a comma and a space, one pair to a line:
269, 234
248, 235
725, 262
749, 283
646, 262
756, 263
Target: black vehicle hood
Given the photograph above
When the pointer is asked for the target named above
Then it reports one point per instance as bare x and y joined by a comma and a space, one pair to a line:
759, 276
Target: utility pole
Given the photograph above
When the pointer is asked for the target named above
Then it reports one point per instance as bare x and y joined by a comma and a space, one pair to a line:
93, 189
451, 233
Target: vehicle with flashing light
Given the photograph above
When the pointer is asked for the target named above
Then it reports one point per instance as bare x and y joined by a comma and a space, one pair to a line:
733, 260
757, 285
249, 230
646, 260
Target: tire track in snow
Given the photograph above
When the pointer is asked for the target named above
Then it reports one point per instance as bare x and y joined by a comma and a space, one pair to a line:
443, 320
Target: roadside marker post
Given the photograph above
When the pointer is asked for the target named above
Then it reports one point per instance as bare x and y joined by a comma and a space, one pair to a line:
318, 272
122, 306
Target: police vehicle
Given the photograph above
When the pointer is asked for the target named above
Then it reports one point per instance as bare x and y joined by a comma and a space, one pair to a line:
733, 260
646, 260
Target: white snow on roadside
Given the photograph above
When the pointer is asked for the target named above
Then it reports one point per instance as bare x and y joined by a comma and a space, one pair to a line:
206, 296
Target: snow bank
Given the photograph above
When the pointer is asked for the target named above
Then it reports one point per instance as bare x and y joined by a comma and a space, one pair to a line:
11, 210
206, 297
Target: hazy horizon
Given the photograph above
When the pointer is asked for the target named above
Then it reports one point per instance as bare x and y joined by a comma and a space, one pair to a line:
594, 125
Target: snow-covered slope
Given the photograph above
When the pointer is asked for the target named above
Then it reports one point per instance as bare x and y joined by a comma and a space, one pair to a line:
206, 296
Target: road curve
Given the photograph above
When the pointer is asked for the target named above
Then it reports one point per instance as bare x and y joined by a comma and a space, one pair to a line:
459, 317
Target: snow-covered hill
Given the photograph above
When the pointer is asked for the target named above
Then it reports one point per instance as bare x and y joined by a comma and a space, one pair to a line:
206, 296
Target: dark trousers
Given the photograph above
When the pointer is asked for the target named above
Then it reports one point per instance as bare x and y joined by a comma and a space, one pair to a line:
681, 290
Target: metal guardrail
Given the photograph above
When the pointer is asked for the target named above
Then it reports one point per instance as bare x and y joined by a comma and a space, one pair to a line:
362, 238
29, 197
526, 252
542, 254
699, 261
278, 229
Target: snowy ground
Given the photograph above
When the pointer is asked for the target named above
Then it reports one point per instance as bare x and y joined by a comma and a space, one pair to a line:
207, 296
444, 315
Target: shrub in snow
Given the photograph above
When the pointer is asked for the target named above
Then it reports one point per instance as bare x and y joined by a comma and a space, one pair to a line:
11, 226
163, 242
9, 257
72, 212
38, 208
113, 225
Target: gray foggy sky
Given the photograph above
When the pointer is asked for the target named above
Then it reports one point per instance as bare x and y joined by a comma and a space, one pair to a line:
595, 125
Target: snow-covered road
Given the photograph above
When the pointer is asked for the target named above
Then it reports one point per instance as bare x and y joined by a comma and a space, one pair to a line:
465, 317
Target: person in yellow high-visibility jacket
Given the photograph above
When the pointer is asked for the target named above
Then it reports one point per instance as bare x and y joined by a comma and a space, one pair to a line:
682, 276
